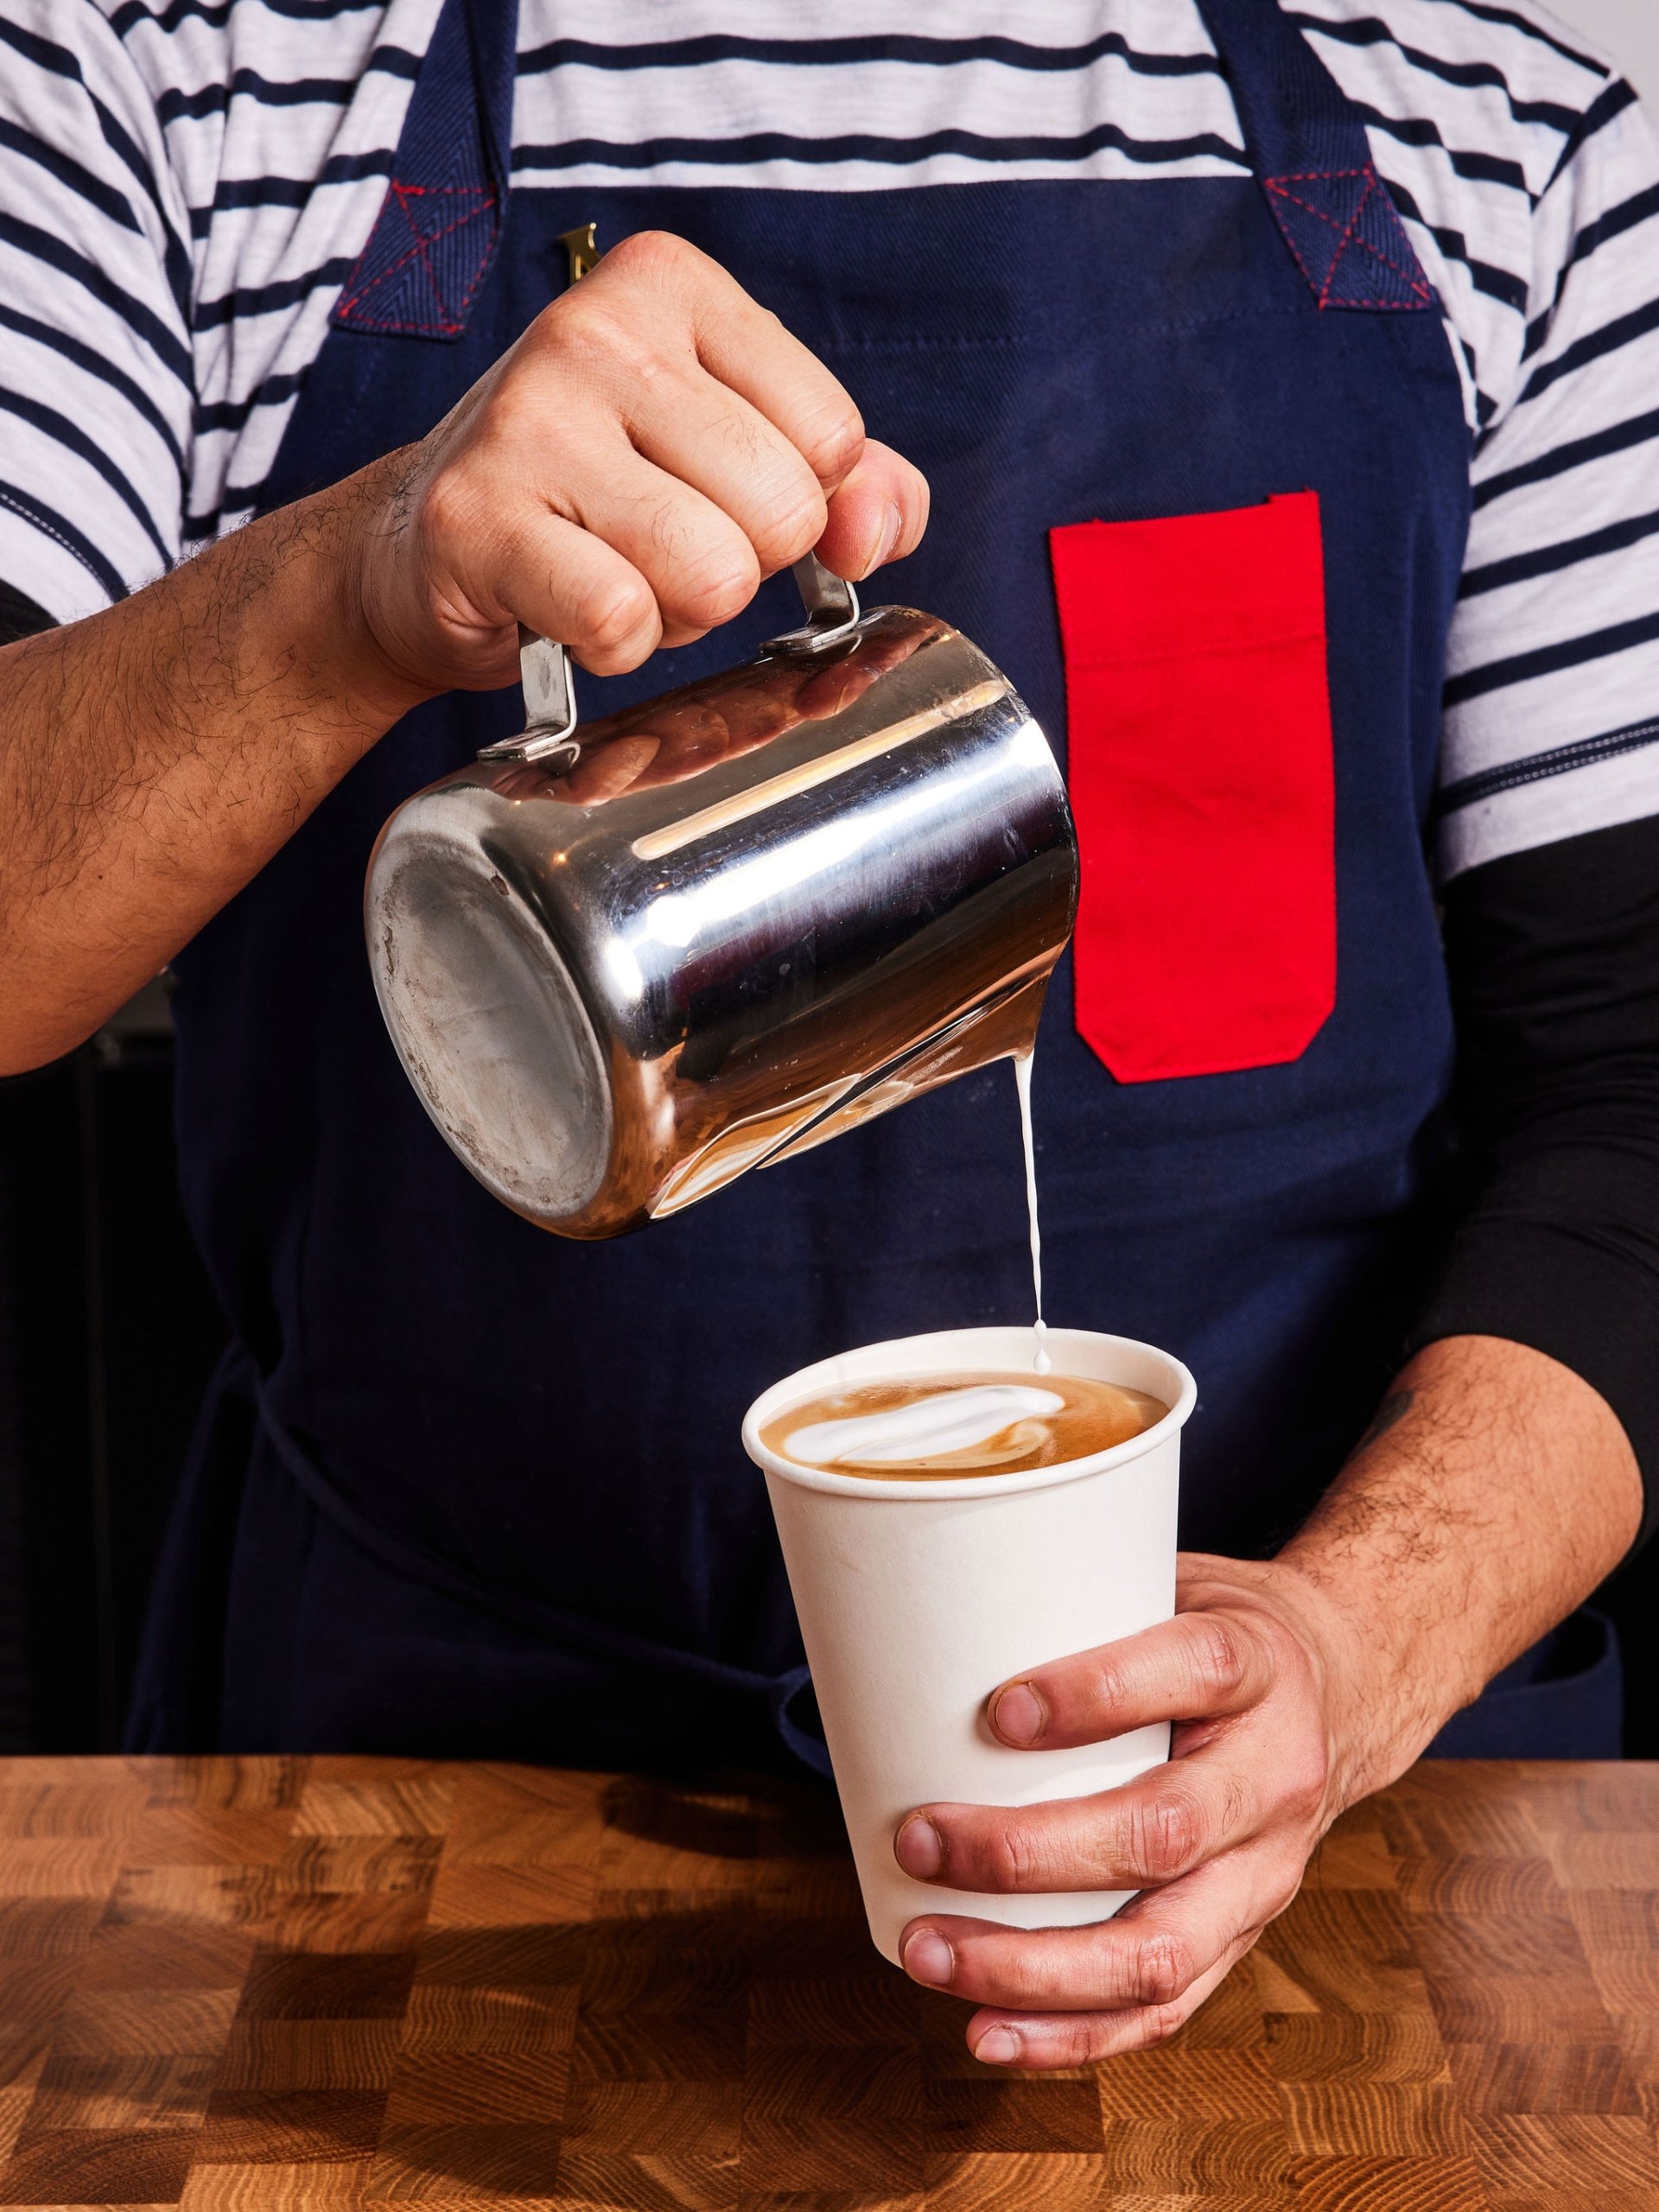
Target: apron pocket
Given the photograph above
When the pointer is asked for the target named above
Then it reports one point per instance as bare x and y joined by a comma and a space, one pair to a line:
1201, 779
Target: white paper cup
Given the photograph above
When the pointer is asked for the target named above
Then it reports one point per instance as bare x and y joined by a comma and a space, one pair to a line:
917, 1599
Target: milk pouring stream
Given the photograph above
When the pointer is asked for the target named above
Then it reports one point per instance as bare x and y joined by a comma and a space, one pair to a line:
947, 1420
1040, 1360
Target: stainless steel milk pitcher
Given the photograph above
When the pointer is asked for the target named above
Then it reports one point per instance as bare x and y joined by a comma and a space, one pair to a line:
624, 961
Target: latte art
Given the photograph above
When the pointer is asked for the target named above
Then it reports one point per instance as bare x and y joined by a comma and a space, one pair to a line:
941, 1426
945, 1423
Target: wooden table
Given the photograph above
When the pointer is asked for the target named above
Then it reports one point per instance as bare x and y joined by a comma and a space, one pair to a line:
272, 1983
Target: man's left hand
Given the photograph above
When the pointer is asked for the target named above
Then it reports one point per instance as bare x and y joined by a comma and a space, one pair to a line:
1256, 1669
1495, 1490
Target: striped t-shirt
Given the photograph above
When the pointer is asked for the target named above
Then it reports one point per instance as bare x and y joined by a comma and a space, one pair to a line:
186, 184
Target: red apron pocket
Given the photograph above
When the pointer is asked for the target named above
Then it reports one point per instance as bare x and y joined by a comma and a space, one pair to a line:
1201, 779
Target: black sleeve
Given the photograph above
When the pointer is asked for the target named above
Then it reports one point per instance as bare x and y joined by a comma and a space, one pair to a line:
20, 617
1553, 957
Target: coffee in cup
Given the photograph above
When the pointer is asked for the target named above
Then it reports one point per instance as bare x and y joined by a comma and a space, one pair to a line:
940, 1428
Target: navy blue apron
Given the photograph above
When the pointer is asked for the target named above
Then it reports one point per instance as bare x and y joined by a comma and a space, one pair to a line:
464, 1489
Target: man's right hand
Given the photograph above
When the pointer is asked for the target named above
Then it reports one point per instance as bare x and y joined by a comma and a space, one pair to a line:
623, 478
653, 446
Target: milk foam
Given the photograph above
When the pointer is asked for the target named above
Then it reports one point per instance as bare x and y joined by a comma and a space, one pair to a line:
949, 1421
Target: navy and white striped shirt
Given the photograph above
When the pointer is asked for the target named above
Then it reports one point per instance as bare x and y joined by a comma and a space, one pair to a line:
186, 184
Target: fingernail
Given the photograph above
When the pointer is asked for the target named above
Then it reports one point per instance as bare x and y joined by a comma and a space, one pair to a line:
892, 523
919, 1848
1019, 1716
929, 1958
998, 2047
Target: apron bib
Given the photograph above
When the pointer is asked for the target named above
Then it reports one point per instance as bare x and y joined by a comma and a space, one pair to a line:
1201, 483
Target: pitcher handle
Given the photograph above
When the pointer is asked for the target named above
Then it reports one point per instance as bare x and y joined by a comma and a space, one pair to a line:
831, 607
544, 671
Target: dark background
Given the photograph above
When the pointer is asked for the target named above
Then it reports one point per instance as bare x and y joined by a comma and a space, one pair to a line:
108, 1333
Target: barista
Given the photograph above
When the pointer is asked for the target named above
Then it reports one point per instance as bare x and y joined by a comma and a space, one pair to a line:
1223, 338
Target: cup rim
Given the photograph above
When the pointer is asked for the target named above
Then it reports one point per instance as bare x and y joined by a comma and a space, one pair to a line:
973, 1486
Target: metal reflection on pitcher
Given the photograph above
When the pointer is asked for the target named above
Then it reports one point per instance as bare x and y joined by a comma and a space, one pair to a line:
624, 962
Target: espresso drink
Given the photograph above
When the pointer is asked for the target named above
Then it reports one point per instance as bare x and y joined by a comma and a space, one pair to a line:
941, 1428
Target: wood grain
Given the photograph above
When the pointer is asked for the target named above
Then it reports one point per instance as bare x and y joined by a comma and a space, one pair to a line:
273, 1985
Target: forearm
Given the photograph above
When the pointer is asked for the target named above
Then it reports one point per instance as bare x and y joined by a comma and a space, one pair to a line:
1495, 1490
154, 756
653, 446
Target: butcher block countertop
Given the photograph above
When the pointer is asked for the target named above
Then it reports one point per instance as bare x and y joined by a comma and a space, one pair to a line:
274, 1983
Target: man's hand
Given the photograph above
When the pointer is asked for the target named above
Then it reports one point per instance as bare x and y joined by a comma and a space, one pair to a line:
1493, 1493
653, 446
1255, 1669
625, 476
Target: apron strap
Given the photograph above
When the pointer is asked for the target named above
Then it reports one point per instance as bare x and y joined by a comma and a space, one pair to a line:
1308, 145
441, 221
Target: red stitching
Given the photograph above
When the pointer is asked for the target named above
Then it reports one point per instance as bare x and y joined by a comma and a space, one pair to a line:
1296, 200
483, 195
484, 192
1346, 240
1418, 286
407, 329
421, 244
1373, 182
